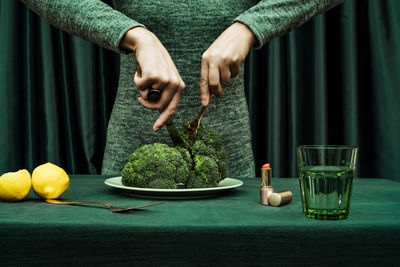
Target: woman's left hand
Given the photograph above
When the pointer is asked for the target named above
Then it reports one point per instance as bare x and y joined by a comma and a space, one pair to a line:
223, 58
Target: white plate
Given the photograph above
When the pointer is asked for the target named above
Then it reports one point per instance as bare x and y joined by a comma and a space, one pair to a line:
223, 186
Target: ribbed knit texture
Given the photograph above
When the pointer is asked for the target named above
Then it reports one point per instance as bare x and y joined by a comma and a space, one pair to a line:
187, 29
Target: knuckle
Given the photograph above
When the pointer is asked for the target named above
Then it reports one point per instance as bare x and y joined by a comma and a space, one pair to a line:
174, 82
182, 85
235, 60
152, 77
149, 73
215, 57
205, 56
163, 79
225, 57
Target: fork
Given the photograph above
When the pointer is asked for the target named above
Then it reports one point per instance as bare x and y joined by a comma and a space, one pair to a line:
191, 130
110, 207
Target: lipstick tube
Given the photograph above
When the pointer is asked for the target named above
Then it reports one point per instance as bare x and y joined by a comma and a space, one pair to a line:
266, 184
280, 198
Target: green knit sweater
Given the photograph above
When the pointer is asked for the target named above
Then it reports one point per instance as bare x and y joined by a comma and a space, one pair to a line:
187, 29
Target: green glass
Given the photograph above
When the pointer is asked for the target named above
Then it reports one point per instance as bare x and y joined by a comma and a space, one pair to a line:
326, 178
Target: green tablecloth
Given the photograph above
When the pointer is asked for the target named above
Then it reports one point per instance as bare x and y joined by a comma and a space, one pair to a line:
232, 229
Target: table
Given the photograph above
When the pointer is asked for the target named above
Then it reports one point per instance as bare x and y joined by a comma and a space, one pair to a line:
232, 229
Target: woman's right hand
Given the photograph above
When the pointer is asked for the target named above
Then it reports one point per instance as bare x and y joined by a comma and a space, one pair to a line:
158, 72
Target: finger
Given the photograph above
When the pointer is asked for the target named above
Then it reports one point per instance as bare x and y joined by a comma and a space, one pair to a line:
225, 74
148, 104
235, 69
214, 79
161, 104
219, 91
161, 82
147, 80
143, 93
150, 95
167, 113
204, 90
137, 78
156, 88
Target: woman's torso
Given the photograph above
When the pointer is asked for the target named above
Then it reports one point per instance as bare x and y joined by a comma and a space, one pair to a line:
186, 29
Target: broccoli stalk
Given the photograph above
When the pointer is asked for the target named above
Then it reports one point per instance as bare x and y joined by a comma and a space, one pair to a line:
179, 137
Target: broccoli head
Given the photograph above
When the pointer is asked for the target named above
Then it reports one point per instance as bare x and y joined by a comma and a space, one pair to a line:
193, 164
209, 146
156, 166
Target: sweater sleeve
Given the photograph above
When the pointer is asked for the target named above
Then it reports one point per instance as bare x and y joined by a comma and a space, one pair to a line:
272, 18
92, 20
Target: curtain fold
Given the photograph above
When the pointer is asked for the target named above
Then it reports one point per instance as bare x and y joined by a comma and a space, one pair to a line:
334, 80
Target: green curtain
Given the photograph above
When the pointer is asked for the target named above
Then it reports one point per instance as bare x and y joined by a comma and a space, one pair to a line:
332, 81
335, 80
56, 93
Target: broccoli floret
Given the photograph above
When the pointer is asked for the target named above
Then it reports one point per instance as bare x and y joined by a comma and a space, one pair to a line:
217, 153
205, 173
210, 138
156, 166
209, 143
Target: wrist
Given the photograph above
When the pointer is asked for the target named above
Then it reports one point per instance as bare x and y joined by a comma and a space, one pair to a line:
246, 33
135, 37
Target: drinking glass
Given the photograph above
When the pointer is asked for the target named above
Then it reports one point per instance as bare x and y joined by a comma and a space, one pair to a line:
326, 177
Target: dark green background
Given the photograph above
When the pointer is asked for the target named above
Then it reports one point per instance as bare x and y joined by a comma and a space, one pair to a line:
335, 80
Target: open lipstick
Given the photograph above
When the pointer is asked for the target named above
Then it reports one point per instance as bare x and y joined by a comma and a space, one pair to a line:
266, 184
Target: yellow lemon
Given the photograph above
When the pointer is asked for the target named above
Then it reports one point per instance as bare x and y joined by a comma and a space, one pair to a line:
49, 181
15, 186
